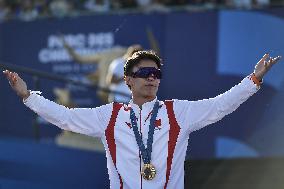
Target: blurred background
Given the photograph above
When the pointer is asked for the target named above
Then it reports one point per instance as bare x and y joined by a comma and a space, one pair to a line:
64, 49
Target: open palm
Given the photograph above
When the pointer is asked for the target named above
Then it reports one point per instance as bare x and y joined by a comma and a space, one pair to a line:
17, 84
264, 65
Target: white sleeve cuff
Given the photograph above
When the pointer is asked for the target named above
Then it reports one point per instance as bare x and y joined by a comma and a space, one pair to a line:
32, 94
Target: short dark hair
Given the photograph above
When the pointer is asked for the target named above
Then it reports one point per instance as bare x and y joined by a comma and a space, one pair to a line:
137, 57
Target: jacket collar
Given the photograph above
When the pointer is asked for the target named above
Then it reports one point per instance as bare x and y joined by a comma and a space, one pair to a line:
147, 105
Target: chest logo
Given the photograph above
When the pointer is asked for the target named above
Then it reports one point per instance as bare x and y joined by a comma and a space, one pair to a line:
158, 124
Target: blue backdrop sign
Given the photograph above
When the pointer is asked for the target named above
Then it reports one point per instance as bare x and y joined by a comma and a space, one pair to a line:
204, 55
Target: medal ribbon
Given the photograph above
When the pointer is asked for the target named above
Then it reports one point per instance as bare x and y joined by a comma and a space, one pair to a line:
145, 152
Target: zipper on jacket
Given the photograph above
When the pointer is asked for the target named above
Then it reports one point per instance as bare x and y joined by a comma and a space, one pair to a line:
141, 181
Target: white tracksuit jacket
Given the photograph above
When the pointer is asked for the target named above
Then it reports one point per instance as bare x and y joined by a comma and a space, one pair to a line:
176, 119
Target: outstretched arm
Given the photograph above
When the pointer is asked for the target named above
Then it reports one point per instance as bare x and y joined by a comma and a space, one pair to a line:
204, 112
89, 121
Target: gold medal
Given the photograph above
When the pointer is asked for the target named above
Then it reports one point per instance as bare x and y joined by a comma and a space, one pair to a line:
148, 171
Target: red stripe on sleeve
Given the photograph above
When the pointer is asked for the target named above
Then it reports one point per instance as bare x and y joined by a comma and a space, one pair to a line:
173, 135
109, 133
